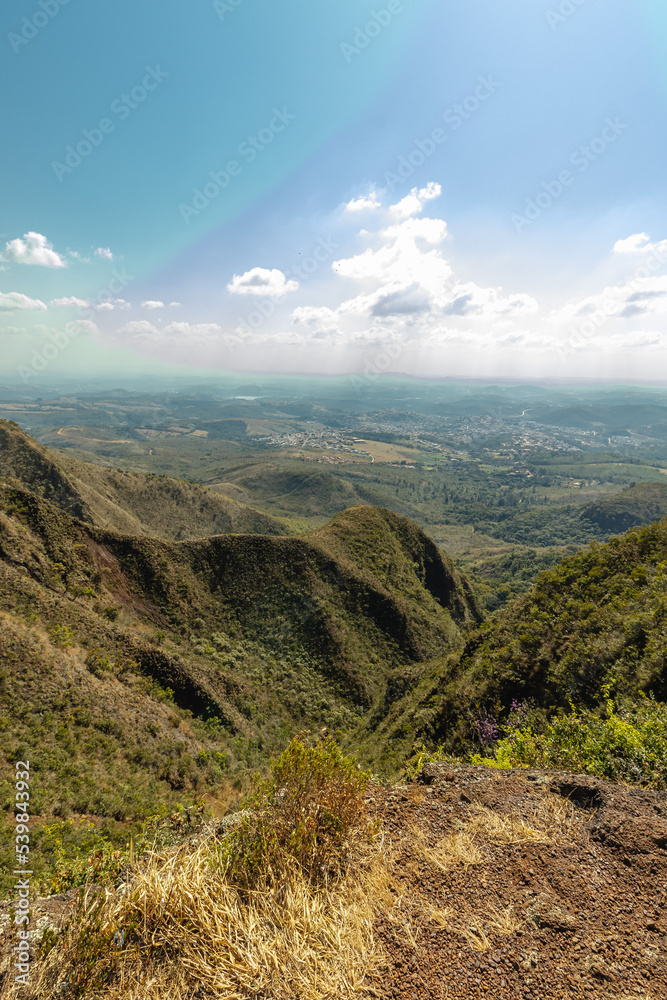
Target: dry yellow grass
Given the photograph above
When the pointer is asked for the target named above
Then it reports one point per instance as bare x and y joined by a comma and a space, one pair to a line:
186, 929
457, 850
554, 820
179, 928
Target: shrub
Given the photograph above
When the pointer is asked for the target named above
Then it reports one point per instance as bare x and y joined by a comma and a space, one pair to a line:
61, 635
628, 745
309, 809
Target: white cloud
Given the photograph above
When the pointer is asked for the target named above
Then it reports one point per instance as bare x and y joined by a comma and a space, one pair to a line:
262, 282
175, 305
640, 243
108, 305
33, 249
140, 329
79, 326
628, 300
401, 302
143, 329
414, 202
401, 262
16, 300
469, 299
363, 204
320, 320
70, 301
104, 252
152, 304
193, 329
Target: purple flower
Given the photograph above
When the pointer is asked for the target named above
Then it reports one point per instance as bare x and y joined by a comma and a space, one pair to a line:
487, 729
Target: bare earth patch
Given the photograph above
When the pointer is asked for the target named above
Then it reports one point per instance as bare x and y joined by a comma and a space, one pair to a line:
514, 885
523, 885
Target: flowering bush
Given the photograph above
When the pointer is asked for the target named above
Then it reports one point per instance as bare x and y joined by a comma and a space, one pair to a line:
628, 745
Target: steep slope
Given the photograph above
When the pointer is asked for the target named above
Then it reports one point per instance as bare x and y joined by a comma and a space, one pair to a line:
123, 501
637, 505
598, 618
306, 596
135, 669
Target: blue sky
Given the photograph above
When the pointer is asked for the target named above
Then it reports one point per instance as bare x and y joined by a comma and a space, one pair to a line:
475, 188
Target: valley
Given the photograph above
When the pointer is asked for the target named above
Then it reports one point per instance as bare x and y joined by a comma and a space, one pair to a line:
187, 584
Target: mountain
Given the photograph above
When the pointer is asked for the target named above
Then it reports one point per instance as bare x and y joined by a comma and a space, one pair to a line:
136, 670
292, 490
636, 505
156, 506
598, 618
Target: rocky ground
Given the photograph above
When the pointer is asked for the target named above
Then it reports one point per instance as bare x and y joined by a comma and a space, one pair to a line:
544, 885
512, 885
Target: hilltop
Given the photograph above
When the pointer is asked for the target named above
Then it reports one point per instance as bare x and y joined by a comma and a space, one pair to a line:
163, 670
639, 504
157, 506
504, 884
285, 490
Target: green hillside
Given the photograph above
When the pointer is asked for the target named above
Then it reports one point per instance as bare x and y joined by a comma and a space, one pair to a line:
636, 505
136, 671
598, 618
291, 490
130, 502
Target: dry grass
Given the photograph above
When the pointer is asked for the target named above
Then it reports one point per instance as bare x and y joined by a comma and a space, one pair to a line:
186, 929
456, 850
182, 927
553, 821
474, 927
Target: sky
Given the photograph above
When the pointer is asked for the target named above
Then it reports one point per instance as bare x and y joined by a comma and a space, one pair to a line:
442, 188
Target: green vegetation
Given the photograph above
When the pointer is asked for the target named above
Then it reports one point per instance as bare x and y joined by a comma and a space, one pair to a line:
297, 866
310, 809
178, 635
138, 504
596, 619
639, 504
628, 746
161, 672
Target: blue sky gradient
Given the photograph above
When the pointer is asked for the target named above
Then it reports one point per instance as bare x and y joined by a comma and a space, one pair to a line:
316, 106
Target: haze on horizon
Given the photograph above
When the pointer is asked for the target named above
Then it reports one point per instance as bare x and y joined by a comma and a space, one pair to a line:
441, 190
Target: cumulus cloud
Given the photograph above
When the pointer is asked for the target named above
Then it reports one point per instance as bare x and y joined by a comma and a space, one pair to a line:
640, 243
108, 305
401, 261
33, 249
72, 300
263, 282
628, 299
363, 204
414, 202
104, 252
140, 328
193, 329
396, 295
470, 299
319, 320
401, 302
175, 305
16, 300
